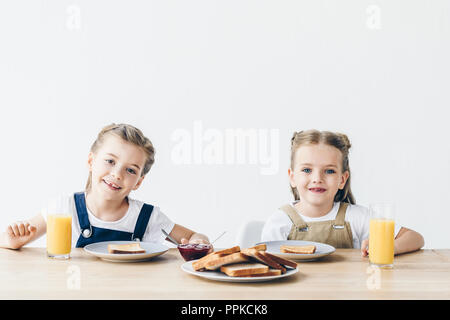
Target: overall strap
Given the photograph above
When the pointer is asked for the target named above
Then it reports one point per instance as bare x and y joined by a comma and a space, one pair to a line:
298, 222
83, 218
339, 222
142, 222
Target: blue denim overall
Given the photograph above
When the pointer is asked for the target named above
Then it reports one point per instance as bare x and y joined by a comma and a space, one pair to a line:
90, 234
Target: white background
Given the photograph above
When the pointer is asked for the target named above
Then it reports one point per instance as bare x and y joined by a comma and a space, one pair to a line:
375, 70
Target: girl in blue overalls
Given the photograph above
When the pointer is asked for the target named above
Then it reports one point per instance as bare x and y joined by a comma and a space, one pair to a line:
118, 162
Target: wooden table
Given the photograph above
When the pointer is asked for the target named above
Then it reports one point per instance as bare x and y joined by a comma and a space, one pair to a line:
29, 274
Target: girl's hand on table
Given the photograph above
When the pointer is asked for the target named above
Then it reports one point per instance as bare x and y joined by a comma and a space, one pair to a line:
365, 248
18, 234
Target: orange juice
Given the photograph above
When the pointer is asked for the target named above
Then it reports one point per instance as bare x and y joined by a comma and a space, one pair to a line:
381, 242
59, 235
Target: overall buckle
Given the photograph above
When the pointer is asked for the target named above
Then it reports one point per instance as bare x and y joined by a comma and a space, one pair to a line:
86, 233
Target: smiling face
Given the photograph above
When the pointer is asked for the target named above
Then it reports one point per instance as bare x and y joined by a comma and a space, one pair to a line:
116, 168
317, 173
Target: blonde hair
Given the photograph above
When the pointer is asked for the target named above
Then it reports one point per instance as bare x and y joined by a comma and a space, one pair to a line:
130, 134
337, 140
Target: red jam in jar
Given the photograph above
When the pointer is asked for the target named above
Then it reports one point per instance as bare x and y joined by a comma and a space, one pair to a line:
193, 251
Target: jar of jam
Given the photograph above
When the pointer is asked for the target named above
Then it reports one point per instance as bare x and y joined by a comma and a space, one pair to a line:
193, 251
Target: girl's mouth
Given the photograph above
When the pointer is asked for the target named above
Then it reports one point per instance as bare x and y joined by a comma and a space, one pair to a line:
317, 190
112, 186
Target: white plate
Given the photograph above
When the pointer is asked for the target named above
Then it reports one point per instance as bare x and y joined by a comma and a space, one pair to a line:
322, 249
100, 249
219, 276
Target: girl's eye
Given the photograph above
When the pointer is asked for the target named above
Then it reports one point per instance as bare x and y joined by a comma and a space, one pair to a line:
306, 170
330, 171
110, 161
131, 171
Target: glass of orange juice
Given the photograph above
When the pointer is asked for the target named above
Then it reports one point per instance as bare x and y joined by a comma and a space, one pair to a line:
381, 235
59, 235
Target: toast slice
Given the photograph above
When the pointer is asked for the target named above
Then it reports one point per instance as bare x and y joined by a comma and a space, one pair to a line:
229, 250
259, 247
265, 259
125, 248
282, 261
199, 265
244, 269
217, 261
298, 249
271, 272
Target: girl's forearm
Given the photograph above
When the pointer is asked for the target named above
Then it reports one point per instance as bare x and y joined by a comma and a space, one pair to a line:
408, 241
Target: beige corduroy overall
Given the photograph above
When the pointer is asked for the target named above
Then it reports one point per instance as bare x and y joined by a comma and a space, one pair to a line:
336, 233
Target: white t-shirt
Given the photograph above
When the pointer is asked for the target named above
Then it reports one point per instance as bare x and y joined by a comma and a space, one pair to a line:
66, 204
278, 226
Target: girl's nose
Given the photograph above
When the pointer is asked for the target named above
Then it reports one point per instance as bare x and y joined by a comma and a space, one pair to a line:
317, 177
116, 174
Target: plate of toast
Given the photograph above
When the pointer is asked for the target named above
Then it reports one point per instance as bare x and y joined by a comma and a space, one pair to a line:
234, 264
298, 249
125, 251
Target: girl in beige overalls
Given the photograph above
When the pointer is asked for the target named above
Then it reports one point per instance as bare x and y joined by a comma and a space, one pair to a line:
319, 175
